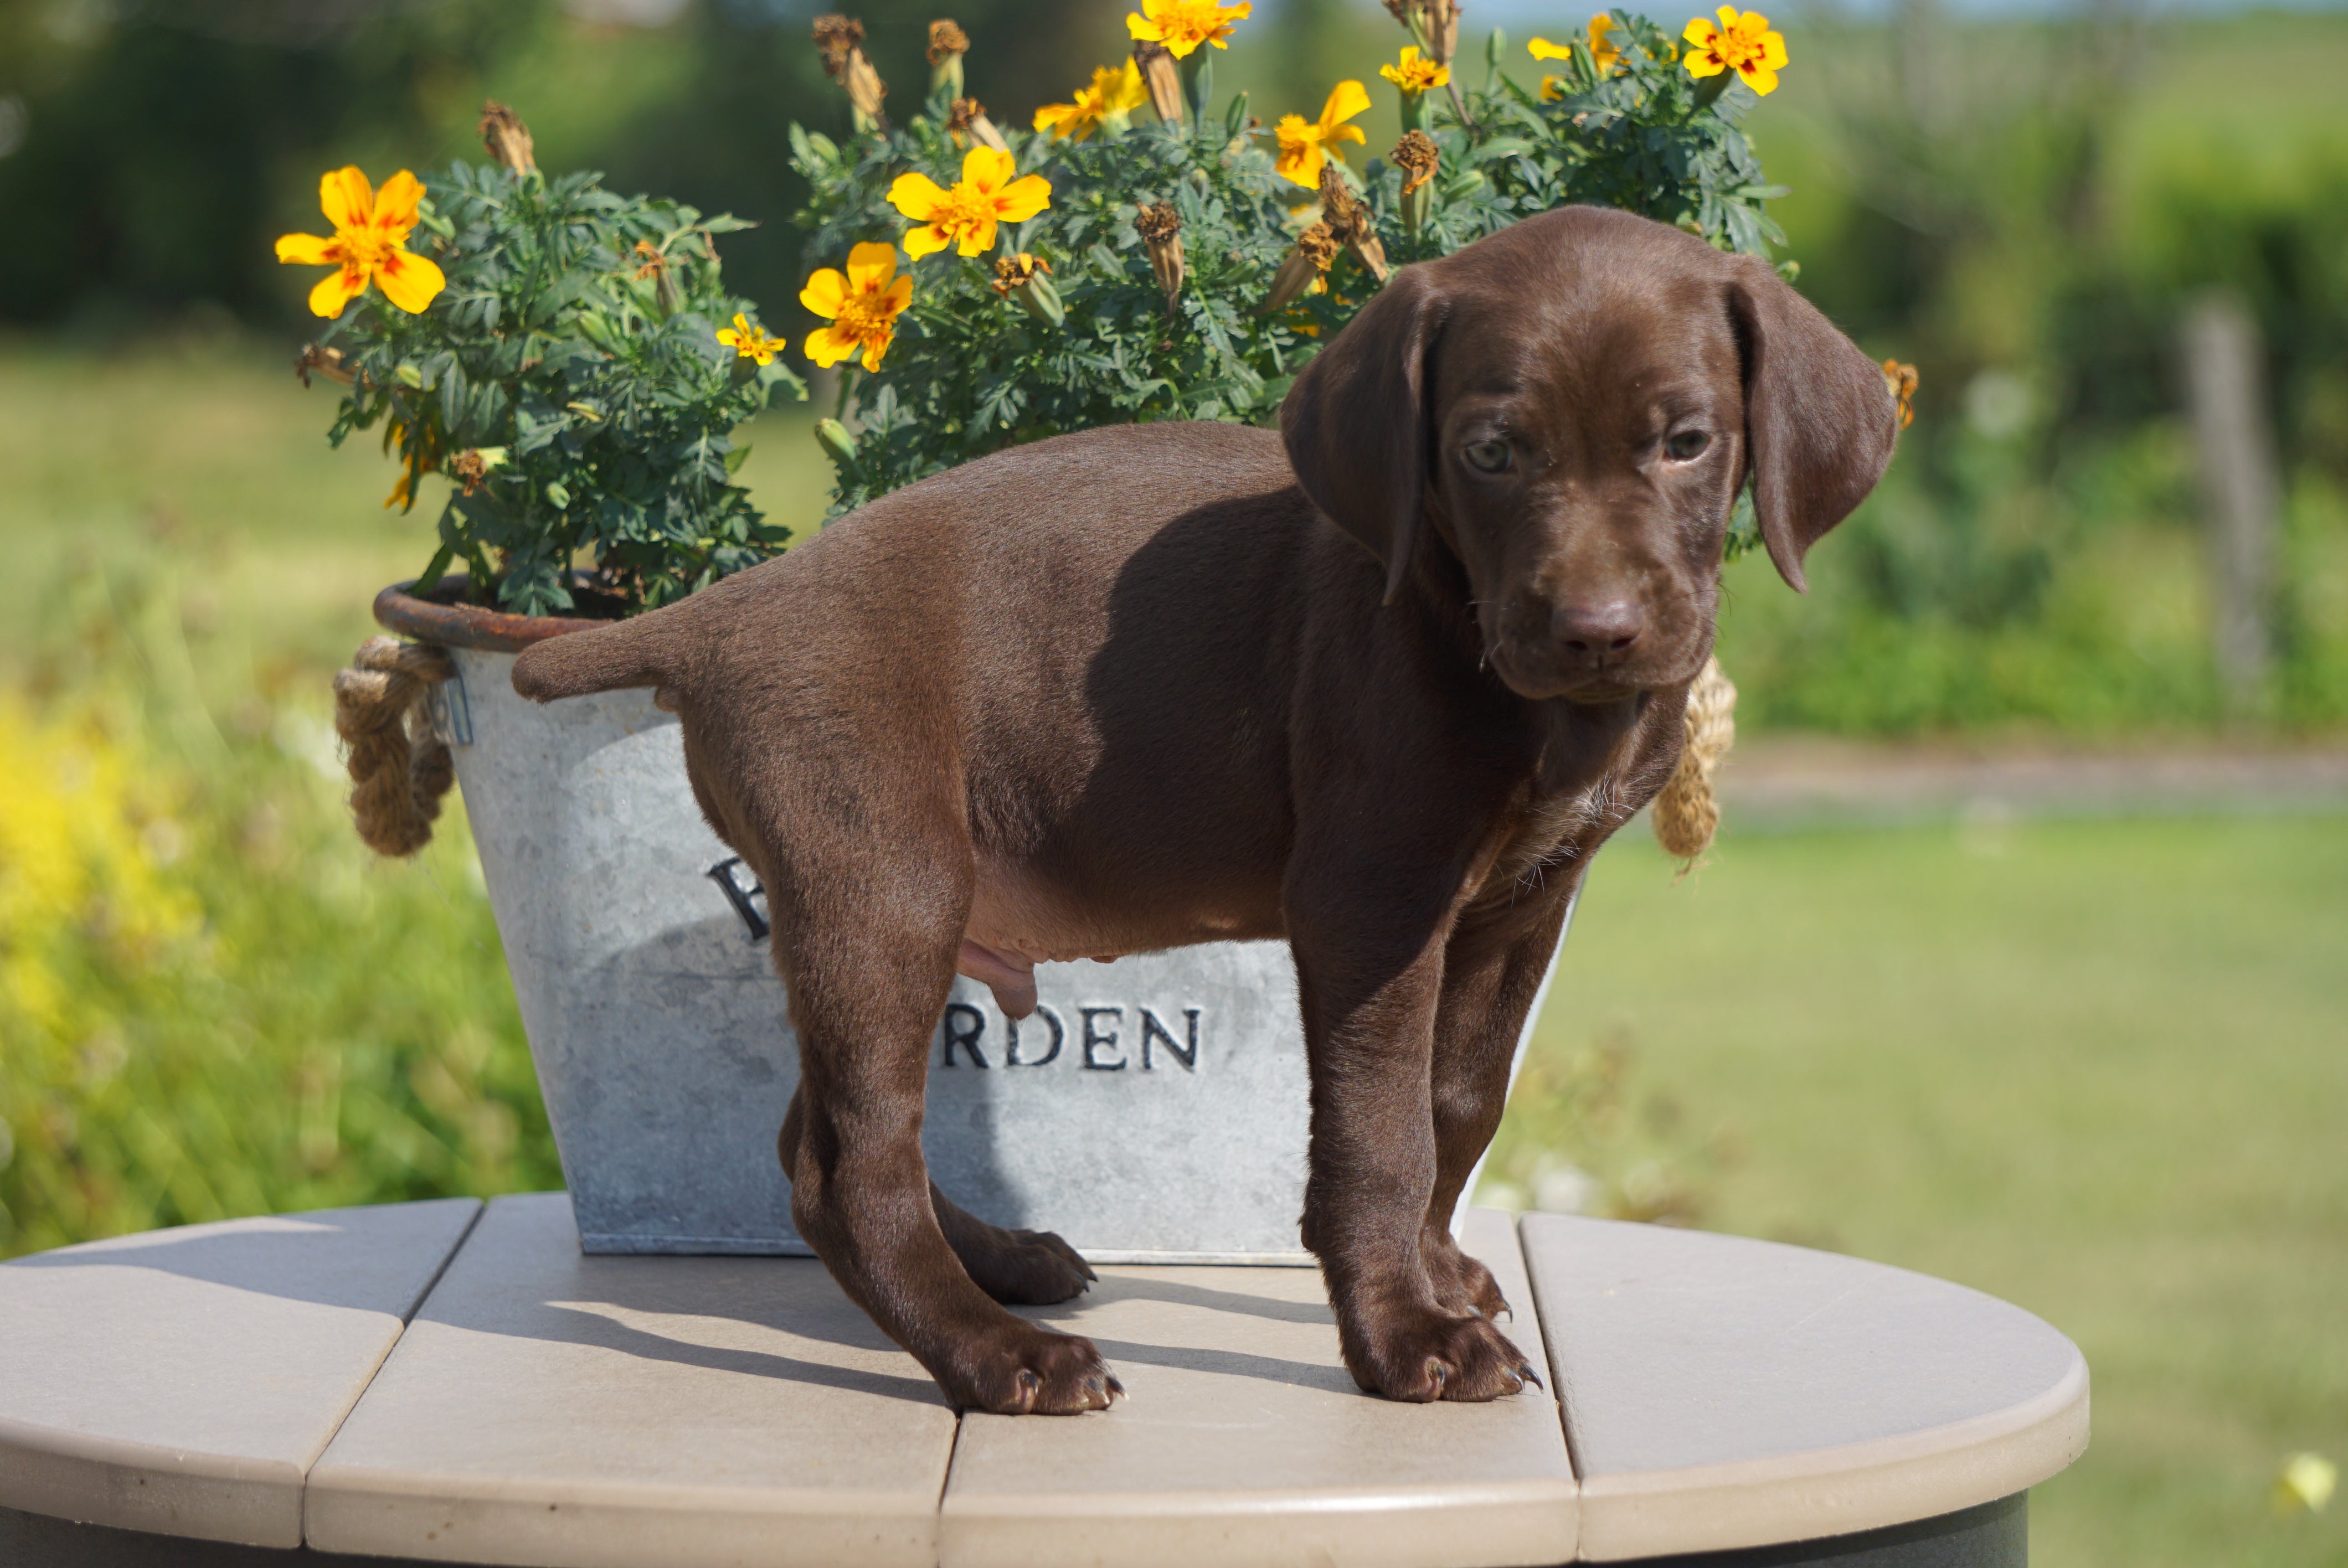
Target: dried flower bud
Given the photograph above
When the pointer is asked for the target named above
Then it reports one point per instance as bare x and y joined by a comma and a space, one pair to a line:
1435, 24
469, 469
506, 137
1160, 228
654, 263
836, 36
1902, 381
1416, 157
946, 37
327, 361
948, 43
967, 119
1156, 62
1023, 277
1351, 222
841, 39
1315, 249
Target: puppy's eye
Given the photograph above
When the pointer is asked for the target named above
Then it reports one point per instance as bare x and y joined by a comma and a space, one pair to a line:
1687, 445
1488, 456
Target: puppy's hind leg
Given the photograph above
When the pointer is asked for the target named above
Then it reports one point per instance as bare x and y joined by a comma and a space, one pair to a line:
1018, 1268
866, 941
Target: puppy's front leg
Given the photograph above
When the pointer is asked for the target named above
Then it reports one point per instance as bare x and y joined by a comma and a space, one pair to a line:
1492, 971
1369, 964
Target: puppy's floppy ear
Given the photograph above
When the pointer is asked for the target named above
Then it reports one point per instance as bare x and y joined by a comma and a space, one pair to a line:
1356, 422
1820, 422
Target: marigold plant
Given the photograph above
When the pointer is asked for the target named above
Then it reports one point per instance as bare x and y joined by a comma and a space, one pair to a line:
569, 371
1160, 266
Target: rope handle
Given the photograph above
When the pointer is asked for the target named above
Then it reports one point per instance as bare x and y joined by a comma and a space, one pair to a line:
1686, 814
399, 768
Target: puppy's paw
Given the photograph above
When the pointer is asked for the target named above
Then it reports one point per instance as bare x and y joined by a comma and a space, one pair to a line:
1421, 1357
1462, 1286
1022, 1268
1027, 1371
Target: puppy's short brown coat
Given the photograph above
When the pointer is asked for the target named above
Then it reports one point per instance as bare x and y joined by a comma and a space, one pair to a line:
1379, 683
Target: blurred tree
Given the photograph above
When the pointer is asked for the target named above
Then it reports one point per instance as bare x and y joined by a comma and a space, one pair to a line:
161, 138
162, 144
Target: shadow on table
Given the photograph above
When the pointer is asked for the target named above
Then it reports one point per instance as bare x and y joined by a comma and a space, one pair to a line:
335, 1259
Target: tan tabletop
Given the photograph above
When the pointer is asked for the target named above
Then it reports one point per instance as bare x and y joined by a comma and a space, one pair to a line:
543, 1408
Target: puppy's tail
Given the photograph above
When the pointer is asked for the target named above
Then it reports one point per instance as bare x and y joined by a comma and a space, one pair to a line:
624, 653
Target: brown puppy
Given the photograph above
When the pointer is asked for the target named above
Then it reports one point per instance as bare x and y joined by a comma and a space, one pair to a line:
1378, 685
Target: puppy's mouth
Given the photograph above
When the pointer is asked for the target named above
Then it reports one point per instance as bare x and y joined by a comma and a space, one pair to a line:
1541, 677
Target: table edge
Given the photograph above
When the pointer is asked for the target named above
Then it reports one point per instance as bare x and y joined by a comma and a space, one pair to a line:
1839, 1490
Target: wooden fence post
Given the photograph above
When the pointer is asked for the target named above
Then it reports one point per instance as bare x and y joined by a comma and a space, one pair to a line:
2225, 373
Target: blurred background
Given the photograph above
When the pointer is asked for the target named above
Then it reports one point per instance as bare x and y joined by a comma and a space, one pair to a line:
2023, 957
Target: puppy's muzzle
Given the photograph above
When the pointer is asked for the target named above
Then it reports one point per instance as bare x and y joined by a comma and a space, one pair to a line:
1583, 650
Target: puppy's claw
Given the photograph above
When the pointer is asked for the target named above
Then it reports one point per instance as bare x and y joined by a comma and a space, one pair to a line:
1525, 1370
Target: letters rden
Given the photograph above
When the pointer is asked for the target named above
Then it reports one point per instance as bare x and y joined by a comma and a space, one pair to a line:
1102, 1043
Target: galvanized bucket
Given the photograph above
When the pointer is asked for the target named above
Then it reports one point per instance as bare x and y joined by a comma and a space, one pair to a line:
1151, 1110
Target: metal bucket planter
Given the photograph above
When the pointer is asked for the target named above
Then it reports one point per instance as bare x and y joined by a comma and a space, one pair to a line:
1153, 1110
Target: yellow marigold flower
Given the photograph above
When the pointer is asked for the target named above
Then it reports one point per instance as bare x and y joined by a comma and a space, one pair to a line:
1414, 75
863, 306
1114, 94
1305, 144
1743, 42
371, 230
1602, 51
985, 196
752, 343
1183, 24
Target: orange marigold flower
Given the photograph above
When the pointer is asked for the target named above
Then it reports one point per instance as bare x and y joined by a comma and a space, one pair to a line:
752, 343
371, 230
1415, 74
1114, 95
863, 306
1743, 42
1602, 52
966, 214
1305, 144
1902, 381
1183, 24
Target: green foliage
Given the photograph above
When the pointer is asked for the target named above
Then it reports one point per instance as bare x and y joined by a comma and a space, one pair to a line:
569, 378
971, 371
1643, 136
217, 1001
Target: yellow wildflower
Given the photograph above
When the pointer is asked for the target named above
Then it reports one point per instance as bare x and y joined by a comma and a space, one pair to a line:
985, 196
1743, 42
81, 849
1412, 74
1114, 95
750, 342
1304, 144
371, 230
863, 306
1183, 24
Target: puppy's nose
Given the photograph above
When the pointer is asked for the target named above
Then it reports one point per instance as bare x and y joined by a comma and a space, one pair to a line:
1598, 631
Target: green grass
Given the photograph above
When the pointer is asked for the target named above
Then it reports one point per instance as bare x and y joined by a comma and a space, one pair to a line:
2094, 1067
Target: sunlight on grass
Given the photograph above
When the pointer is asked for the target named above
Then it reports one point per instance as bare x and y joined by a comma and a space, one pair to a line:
2094, 1068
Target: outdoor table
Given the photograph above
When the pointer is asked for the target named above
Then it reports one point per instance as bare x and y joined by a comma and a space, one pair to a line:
451, 1382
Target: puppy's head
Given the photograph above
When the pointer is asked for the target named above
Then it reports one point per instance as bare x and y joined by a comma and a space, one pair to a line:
1569, 409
